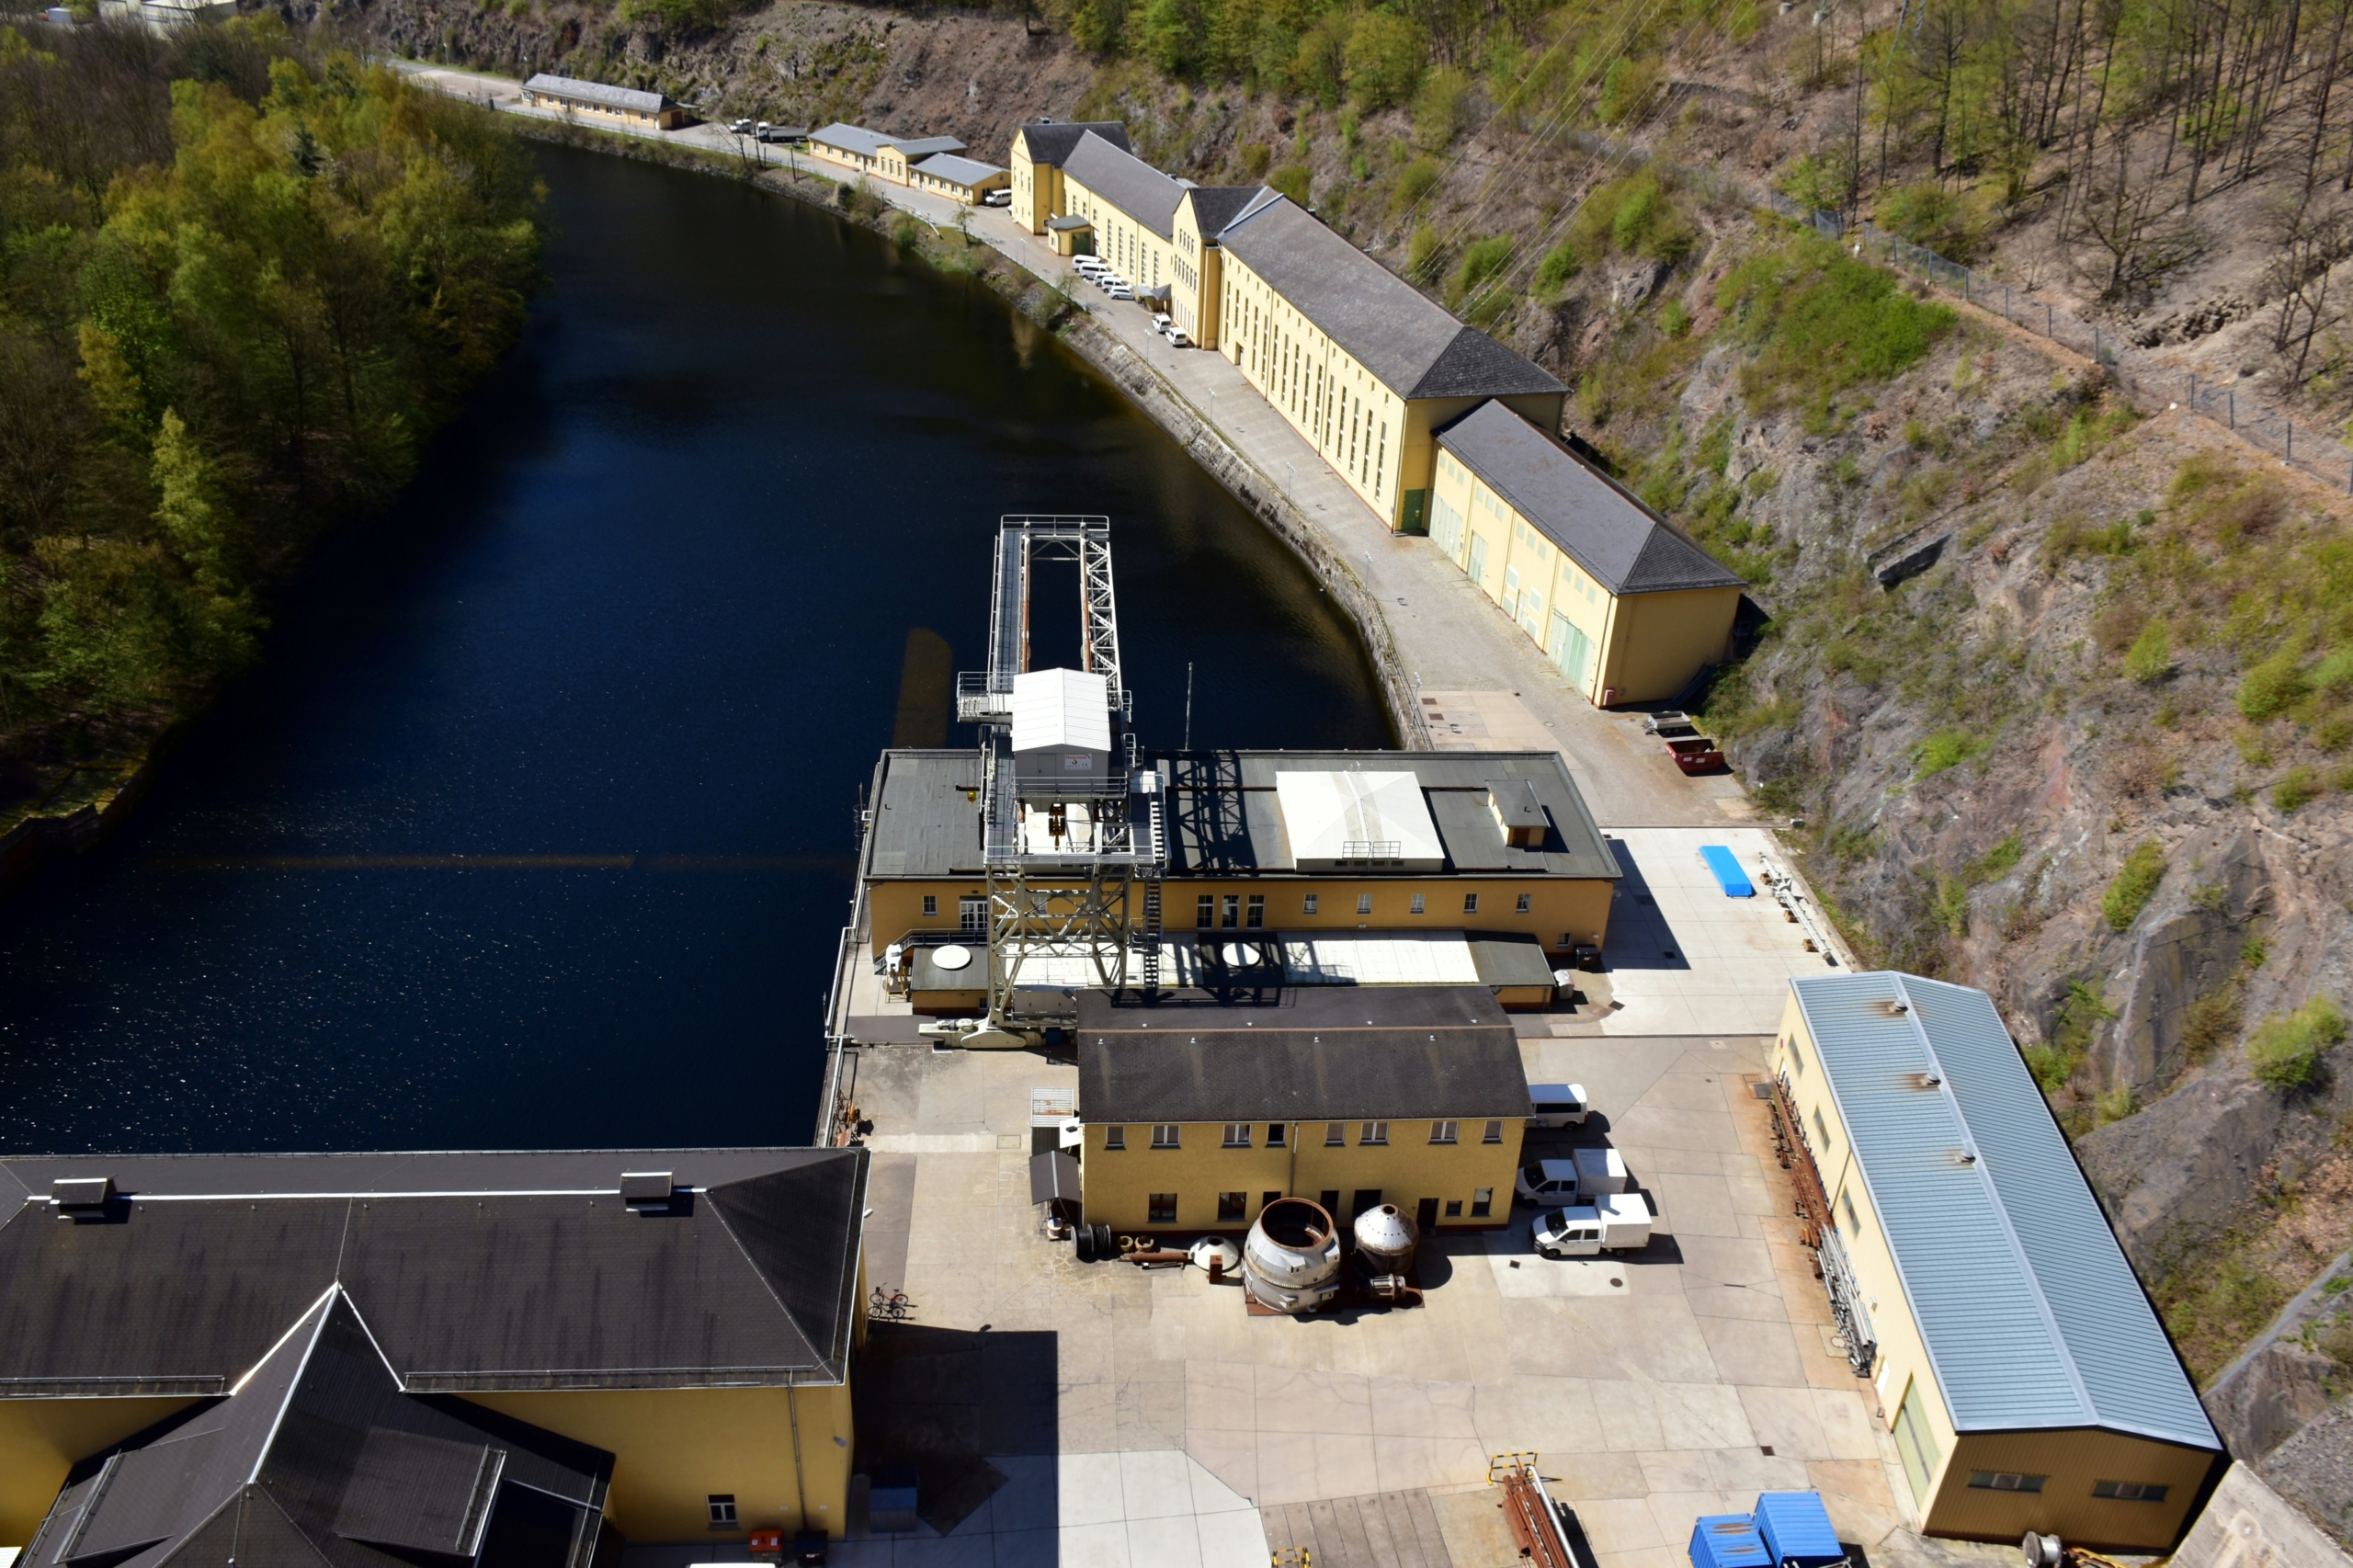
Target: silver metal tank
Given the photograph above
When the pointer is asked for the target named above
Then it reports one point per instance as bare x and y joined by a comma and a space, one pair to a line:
1386, 1238
1291, 1260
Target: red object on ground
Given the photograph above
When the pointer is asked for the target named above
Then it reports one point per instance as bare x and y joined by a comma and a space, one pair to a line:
1695, 754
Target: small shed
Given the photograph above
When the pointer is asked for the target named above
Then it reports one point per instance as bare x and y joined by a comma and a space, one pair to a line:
966, 179
1062, 733
1070, 235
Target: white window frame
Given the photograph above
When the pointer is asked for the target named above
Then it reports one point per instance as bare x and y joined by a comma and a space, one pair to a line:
1446, 1133
1237, 1135
1167, 1136
1372, 1135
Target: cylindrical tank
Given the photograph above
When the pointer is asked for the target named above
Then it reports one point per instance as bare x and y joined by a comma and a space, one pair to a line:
1386, 1237
1291, 1261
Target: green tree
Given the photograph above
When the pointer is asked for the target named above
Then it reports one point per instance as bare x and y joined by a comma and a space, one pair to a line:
1384, 58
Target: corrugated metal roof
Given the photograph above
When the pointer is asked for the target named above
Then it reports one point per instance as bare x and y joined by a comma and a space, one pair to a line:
600, 93
955, 170
2031, 1316
1126, 181
1061, 707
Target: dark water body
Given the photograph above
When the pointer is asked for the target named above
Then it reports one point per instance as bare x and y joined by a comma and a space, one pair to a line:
650, 598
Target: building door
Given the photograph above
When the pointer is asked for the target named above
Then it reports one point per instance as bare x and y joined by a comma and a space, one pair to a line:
1366, 1198
1426, 1215
1478, 567
1411, 522
1916, 1443
973, 915
1571, 648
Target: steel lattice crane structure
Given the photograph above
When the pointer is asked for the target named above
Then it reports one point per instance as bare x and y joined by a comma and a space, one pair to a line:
1073, 832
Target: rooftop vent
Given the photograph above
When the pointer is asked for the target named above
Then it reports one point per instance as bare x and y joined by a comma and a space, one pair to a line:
81, 1195
1518, 814
647, 1190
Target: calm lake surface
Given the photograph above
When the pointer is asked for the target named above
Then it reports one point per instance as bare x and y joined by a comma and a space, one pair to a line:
639, 629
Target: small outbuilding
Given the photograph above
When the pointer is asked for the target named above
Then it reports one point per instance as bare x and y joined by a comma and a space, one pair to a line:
629, 107
964, 179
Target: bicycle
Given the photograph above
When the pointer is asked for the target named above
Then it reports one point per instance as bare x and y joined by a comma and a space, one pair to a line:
891, 1306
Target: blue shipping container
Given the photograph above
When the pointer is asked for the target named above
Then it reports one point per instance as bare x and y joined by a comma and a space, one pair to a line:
1729, 876
1796, 1530
1727, 1540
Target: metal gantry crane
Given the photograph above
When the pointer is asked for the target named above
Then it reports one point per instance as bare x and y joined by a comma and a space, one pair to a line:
1073, 832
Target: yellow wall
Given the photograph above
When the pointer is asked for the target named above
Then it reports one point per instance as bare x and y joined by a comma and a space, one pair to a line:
1200, 267
967, 194
1116, 1183
1638, 648
41, 1439
674, 1448
1036, 189
2071, 1458
1142, 257
840, 158
1577, 908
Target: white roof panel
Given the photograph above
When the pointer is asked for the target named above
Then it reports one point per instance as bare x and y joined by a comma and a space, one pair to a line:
1357, 816
1062, 707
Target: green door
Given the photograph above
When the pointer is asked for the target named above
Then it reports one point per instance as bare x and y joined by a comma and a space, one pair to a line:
1570, 649
1416, 500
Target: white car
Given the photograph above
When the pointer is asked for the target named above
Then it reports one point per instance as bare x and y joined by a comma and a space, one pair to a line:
1177, 339
997, 199
1620, 1223
1118, 290
1547, 1181
1557, 1105
1090, 264
739, 127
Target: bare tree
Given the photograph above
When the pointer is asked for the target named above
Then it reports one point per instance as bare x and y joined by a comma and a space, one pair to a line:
2140, 232
2310, 242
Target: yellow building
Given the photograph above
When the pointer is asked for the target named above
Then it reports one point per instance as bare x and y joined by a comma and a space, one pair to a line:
1356, 360
2027, 1379
1038, 149
1626, 606
596, 101
679, 1323
876, 152
959, 179
1270, 842
1199, 1114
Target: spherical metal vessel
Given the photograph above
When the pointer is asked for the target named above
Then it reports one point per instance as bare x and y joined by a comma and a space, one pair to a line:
1292, 1259
1386, 1238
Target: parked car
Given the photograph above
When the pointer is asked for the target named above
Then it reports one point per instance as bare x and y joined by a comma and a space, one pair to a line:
1557, 1105
1620, 1222
1547, 1181
1177, 339
1118, 290
1695, 754
997, 199
739, 127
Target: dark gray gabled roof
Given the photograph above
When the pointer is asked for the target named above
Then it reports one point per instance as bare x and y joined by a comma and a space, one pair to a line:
1051, 141
959, 171
475, 1271
1416, 348
317, 1457
602, 94
1215, 206
1337, 1053
916, 149
1621, 544
1126, 181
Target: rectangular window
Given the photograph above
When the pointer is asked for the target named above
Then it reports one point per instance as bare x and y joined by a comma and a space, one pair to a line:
1495, 1133
1330, 1198
1916, 1443
930, 904
1373, 1135
1162, 1209
1822, 1130
1232, 914
1257, 912
1482, 1200
1115, 1137
1204, 912
1470, 903
2123, 1490
1336, 1134
1310, 907
1444, 1131
1164, 1135
1364, 903
2009, 1481
1796, 1059
723, 1510
1231, 1207
972, 914
1274, 1135
1454, 1208
1237, 1135
1267, 1198
1420, 906
1521, 907
1847, 1207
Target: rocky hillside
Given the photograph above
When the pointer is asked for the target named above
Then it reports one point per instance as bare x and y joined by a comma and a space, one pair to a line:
2062, 688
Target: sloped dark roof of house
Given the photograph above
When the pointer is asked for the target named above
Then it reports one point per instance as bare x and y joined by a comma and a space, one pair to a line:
1051, 141
475, 1271
1126, 181
1621, 544
1215, 206
1340, 1054
318, 1455
1416, 348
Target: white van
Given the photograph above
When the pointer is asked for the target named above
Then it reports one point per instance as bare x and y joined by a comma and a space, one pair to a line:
1557, 1105
1599, 1173
1620, 1223
1547, 1181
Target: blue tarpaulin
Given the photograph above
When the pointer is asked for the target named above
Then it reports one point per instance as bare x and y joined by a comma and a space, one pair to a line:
1729, 876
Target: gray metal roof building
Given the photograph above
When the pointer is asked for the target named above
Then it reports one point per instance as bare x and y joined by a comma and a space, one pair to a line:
1126, 181
1224, 817
1618, 541
1337, 1052
2030, 1314
866, 144
602, 95
954, 169
1052, 141
1414, 347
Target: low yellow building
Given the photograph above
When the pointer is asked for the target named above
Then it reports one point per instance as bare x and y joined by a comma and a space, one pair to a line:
1199, 1114
1038, 149
1626, 606
1272, 841
598, 101
2016, 1359
876, 152
688, 1315
1359, 361
958, 178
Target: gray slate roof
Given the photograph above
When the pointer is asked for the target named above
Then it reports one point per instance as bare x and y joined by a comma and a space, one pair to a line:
914, 149
867, 144
1215, 206
961, 171
1622, 544
1049, 142
598, 92
1126, 181
2031, 1316
350, 1472
1222, 816
1321, 1052
476, 1271
1416, 348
